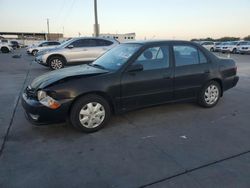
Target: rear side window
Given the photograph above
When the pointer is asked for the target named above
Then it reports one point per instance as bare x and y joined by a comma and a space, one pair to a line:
202, 58
44, 44
188, 55
84, 43
101, 42
54, 43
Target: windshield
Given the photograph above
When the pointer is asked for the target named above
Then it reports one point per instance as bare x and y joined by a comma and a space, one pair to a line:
116, 57
233, 43
65, 43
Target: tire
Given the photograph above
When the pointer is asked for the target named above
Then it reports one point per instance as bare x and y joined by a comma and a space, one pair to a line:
234, 51
56, 62
93, 110
5, 50
34, 52
212, 50
209, 99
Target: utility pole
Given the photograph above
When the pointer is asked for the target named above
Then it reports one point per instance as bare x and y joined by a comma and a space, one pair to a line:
96, 26
48, 28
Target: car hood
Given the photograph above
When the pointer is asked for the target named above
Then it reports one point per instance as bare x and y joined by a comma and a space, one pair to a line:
48, 50
57, 75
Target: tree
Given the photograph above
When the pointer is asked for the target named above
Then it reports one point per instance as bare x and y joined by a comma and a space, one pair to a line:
224, 39
205, 39
247, 38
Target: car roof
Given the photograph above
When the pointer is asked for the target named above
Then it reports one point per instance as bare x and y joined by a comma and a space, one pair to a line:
109, 39
152, 42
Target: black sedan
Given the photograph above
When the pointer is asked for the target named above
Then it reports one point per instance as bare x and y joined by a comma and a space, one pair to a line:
128, 77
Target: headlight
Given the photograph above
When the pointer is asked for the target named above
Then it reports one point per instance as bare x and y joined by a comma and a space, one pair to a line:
46, 100
41, 95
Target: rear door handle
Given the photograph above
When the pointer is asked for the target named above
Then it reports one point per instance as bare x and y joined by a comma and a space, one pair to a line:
206, 71
167, 77
85, 50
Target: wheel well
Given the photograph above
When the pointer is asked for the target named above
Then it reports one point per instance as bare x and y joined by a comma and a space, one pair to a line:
99, 93
4, 47
55, 55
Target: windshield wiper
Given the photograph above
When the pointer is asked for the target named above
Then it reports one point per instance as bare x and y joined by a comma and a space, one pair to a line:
97, 66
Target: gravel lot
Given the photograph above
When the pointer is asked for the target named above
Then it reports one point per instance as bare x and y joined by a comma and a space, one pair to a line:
174, 145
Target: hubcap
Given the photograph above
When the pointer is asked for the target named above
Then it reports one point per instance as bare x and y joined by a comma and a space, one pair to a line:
56, 64
92, 115
211, 94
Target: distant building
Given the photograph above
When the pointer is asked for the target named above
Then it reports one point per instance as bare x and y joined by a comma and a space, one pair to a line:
120, 37
32, 36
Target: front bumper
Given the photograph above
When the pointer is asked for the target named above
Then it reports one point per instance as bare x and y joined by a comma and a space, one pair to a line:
244, 51
40, 61
226, 50
28, 51
39, 114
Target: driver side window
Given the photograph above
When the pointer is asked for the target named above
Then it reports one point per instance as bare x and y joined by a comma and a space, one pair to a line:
154, 58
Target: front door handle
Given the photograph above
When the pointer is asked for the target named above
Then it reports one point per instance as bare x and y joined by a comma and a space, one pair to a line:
206, 71
85, 50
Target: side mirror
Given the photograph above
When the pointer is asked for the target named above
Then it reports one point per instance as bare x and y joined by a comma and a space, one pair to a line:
70, 46
135, 68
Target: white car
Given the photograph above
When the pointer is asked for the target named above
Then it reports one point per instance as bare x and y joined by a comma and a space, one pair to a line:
217, 46
5, 47
241, 44
245, 49
208, 45
232, 47
42, 46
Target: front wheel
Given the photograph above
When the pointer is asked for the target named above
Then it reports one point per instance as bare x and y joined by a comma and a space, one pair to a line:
56, 63
234, 51
210, 94
90, 113
212, 50
34, 52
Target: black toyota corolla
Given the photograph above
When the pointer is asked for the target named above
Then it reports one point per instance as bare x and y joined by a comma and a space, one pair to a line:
130, 76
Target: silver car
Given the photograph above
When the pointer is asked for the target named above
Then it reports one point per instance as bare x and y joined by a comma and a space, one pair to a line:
34, 49
76, 50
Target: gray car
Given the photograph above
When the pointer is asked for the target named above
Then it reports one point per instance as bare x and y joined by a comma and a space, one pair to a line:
76, 50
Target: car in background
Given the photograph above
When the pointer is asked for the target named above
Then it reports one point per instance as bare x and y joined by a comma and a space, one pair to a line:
229, 47
33, 49
75, 50
217, 46
208, 45
130, 76
245, 49
220, 46
14, 44
5, 47
240, 44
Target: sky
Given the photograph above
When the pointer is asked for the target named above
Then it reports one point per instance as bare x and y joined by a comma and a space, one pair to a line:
150, 19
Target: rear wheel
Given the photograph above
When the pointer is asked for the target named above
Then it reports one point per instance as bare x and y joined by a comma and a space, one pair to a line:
34, 52
210, 94
5, 50
234, 51
212, 50
90, 113
56, 62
